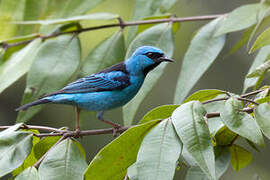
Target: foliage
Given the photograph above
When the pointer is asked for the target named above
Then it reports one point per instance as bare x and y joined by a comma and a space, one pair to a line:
41, 40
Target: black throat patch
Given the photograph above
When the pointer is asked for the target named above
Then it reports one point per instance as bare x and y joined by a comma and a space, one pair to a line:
151, 67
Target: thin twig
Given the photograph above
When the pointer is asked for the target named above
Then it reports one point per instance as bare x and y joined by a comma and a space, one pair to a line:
247, 100
121, 24
217, 114
252, 93
214, 100
36, 165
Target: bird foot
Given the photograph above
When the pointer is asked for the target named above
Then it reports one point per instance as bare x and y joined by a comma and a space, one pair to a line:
116, 127
77, 133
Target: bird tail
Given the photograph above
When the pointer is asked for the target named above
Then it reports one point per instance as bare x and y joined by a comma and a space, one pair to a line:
34, 103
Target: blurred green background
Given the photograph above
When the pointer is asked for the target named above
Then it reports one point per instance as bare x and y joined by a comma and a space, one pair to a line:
226, 73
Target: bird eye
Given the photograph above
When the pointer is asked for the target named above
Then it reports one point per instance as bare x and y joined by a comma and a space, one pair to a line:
150, 55
154, 55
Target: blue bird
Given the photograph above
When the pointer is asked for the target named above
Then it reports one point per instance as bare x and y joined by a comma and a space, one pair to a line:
108, 89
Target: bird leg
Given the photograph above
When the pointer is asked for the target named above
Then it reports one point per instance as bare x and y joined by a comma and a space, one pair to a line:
78, 130
114, 125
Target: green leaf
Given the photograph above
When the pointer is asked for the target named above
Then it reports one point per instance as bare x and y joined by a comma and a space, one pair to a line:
194, 173
147, 8
44, 145
64, 9
132, 172
224, 136
190, 126
64, 161
240, 157
262, 116
159, 152
18, 65
260, 59
215, 124
143, 27
118, 159
54, 64
262, 40
202, 52
31, 159
20, 38
204, 95
32, 10
107, 53
244, 40
241, 18
160, 36
222, 163
15, 146
160, 112
260, 70
241, 122
94, 16
69, 8
10, 11
28, 174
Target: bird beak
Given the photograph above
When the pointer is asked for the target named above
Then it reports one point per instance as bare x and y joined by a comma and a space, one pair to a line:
164, 58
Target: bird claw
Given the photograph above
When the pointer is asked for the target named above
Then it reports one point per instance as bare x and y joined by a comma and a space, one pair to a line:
77, 133
115, 130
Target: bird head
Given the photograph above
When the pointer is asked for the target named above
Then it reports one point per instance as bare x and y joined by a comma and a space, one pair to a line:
146, 58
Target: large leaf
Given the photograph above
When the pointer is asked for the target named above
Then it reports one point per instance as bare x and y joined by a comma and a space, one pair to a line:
32, 10
260, 59
241, 18
10, 11
194, 173
260, 70
202, 52
143, 27
160, 36
240, 157
241, 122
54, 64
31, 158
190, 126
44, 145
69, 8
262, 116
28, 174
244, 40
148, 8
204, 95
224, 136
95, 16
160, 112
118, 159
159, 152
63, 9
17, 65
222, 163
262, 40
107, 53
64, 161
15, 146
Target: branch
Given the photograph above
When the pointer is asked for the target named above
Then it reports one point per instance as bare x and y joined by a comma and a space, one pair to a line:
121, 24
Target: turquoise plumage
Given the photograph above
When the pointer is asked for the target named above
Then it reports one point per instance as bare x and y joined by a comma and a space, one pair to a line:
108, 89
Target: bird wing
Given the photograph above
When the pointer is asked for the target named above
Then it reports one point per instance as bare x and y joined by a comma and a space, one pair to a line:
115, 80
